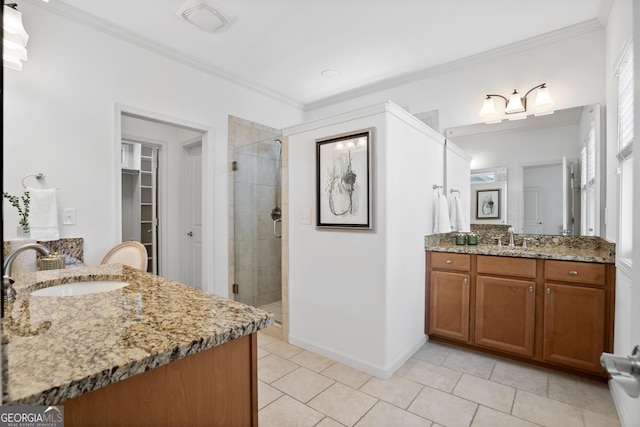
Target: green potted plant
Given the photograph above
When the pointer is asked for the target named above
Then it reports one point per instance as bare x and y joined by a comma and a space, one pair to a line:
23, 210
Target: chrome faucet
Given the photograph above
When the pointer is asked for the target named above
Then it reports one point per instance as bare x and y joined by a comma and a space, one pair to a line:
511, 243
7, 281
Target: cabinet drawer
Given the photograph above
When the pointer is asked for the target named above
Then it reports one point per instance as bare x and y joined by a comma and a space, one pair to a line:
505, 266
576, 272
447, 261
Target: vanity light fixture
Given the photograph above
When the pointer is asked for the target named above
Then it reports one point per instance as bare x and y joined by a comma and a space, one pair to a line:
516, 106
14, 39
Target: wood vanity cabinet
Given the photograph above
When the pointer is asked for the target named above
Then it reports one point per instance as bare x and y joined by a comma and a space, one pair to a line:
553, 313
505, 304
574, 314
449, 296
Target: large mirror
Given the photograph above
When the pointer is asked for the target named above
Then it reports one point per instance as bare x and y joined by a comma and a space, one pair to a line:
548, 169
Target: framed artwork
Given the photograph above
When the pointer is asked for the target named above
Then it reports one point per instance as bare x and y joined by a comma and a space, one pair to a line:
343, 181
488, 204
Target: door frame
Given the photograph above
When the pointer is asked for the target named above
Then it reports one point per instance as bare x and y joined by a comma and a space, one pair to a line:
215, 223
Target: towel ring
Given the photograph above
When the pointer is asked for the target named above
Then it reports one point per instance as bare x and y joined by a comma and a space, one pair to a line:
39, 176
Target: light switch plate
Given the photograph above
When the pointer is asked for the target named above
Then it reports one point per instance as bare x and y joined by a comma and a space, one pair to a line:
69, 216
305, 216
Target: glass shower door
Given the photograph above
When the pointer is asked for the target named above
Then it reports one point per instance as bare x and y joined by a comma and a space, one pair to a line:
257, 225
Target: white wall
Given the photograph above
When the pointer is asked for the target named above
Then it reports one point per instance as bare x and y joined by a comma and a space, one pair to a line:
458, 176
358, 296
59, 120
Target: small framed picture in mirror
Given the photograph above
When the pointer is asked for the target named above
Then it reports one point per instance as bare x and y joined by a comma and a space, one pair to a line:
488, 204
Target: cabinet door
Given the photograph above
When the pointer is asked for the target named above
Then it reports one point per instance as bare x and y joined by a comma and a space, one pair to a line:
449, 305
574, 326
505, 314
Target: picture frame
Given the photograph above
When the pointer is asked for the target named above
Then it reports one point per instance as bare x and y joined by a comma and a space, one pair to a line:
344, 181
488, 204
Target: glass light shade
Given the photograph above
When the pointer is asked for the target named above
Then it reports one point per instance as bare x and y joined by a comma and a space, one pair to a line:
339, 146
14, 39
544, 103
351, 145
515, 104
488, 108
12, 24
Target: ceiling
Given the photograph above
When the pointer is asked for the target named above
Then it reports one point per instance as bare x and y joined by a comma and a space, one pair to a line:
280, 47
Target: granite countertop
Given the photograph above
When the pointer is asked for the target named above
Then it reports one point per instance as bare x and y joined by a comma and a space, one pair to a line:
564, 248
56, 348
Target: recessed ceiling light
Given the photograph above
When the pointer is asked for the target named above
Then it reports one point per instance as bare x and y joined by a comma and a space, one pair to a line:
329, 74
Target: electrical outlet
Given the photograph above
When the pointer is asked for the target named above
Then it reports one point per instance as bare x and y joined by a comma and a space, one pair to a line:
69, 216
305, 216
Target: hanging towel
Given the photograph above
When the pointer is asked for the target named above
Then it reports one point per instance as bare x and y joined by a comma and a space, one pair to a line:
457, 217
442, 224
43, 214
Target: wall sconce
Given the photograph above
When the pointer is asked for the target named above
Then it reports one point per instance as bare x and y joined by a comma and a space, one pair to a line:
14, 40
516, 107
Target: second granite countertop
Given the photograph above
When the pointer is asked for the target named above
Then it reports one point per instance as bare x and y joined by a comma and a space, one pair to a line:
57, 348
582, 249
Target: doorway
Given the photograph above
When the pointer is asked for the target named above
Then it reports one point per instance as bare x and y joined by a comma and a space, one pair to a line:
166, 142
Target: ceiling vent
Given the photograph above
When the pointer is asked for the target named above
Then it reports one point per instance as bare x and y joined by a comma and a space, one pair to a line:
205, 15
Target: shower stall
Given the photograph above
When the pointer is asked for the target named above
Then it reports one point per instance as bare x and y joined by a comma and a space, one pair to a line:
258, 224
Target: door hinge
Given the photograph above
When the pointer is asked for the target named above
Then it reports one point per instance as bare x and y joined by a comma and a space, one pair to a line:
234, 165
234, 288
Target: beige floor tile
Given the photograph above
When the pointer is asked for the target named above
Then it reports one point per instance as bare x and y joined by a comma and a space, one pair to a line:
264, 339
443, 408
432, 353
487, 417
545, 411
328, 422
396, 390
352, 377
343, 403
471, 363
303, 384
434, 376
288, 412
262, 352
266, 394
404, 369
386, 415
485, 392
282, 349
586, 394
521, 377
273, 367
312, 361
593, 419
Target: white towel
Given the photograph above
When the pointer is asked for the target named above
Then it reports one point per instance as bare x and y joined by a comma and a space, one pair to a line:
441, 224
43, 214
457, 217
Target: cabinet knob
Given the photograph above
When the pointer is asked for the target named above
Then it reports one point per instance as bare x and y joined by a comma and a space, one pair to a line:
448, 261
465, 282
548, 291
531, 289
573, 273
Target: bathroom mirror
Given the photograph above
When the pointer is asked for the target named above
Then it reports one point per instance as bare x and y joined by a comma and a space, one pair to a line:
553, 168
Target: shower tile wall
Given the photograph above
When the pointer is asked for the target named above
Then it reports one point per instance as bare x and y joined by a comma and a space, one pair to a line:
254, 248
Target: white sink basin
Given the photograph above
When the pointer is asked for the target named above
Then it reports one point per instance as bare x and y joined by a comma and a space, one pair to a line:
79, 288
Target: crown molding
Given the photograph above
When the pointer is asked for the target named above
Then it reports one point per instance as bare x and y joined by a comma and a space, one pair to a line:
490, 55
98, 24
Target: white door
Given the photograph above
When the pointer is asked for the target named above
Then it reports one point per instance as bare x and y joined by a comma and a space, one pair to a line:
191, 215
533, 222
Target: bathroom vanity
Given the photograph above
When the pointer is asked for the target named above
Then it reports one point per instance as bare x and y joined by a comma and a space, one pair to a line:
154, 352
550, 304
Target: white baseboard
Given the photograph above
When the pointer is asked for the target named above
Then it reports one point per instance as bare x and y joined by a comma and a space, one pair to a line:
349, 360
628, 408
